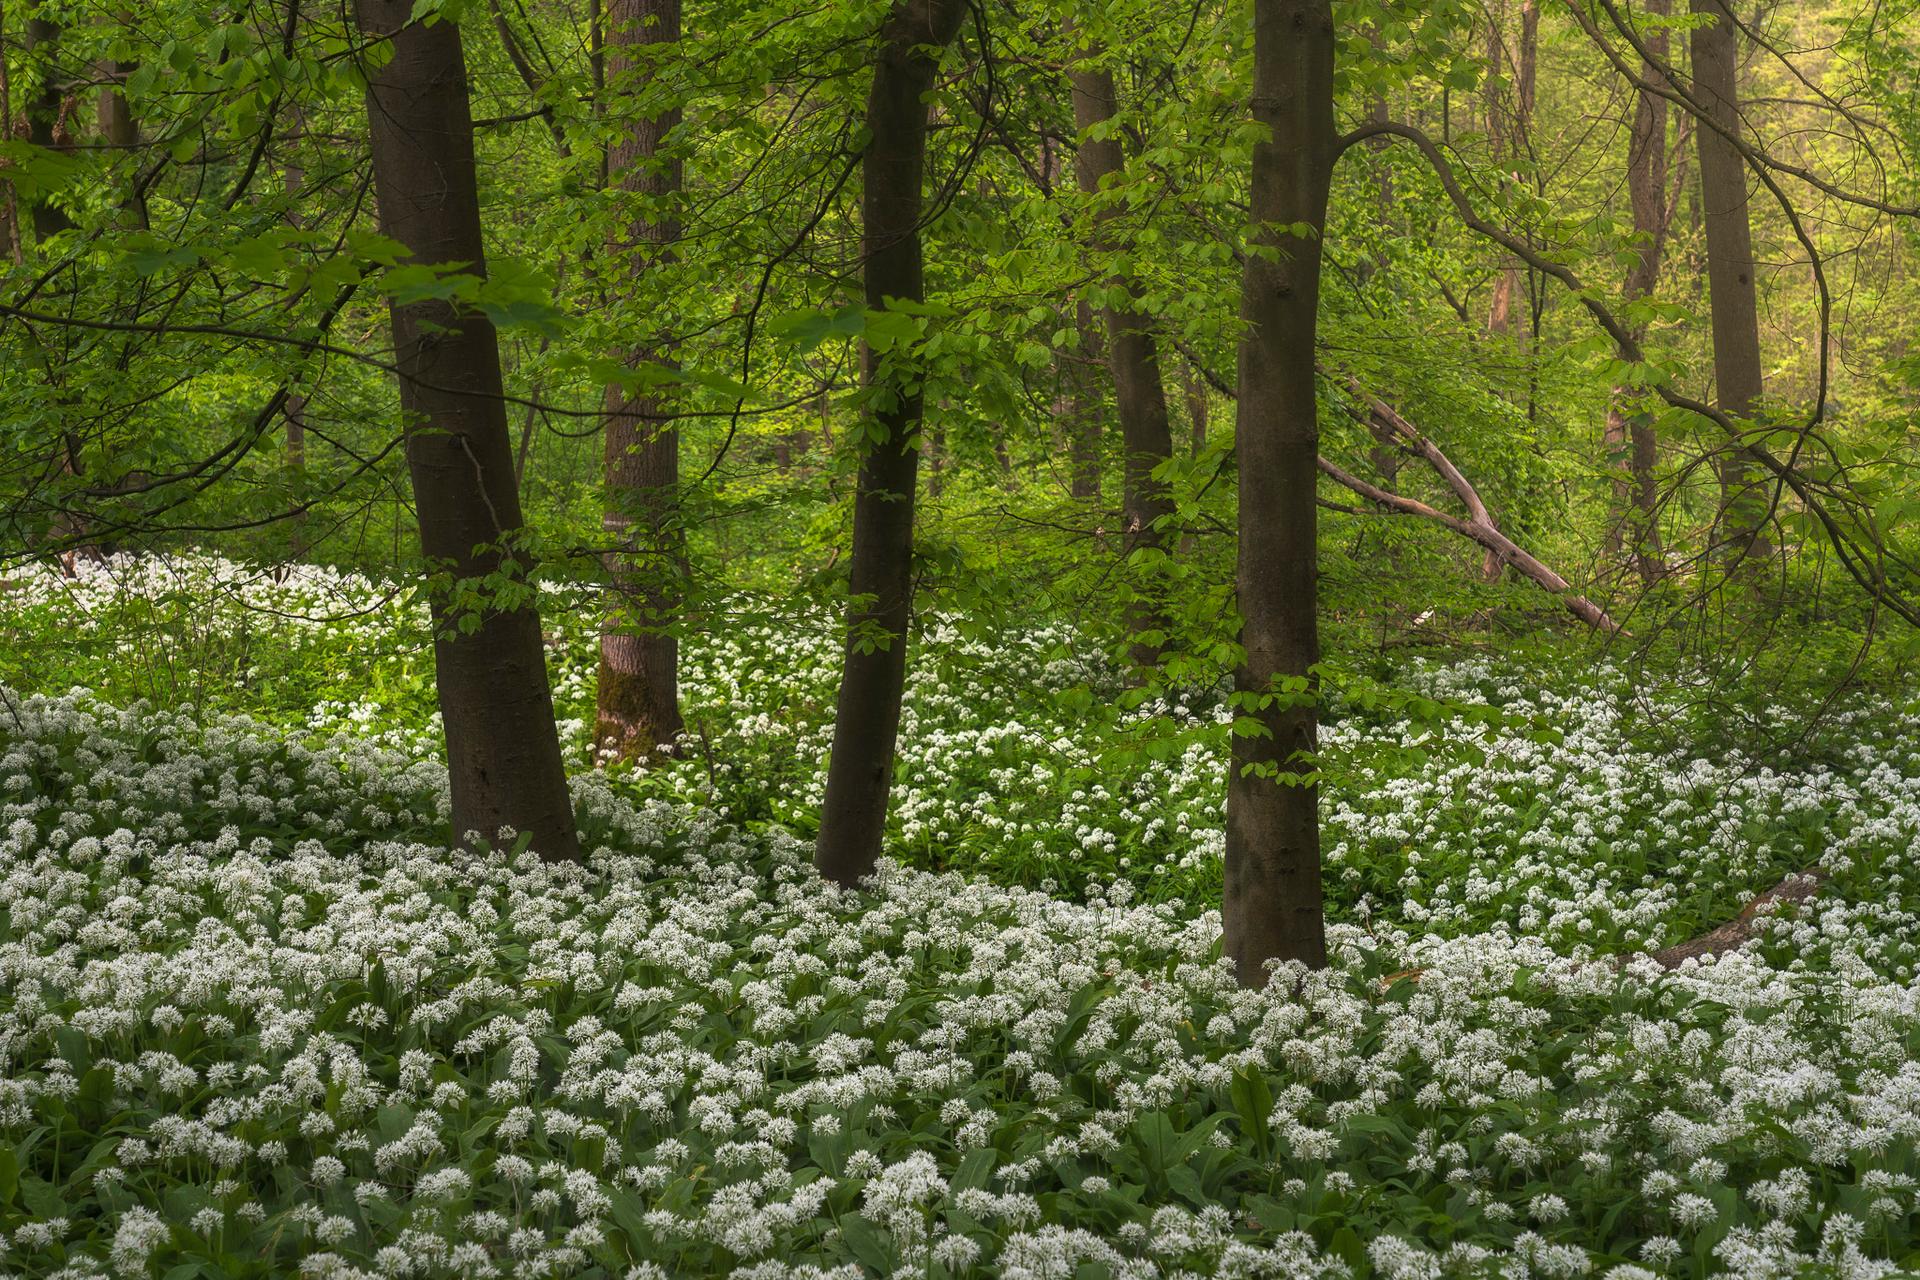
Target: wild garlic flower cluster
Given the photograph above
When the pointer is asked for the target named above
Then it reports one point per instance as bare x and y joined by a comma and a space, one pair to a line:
253, 1021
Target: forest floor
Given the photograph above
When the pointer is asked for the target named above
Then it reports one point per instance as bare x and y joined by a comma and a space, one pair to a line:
254, 1018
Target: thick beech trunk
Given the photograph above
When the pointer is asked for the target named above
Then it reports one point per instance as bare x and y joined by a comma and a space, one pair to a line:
503, 753
867, 719
639, 689
1133, 357
1628, 431
1271, 901
1730, 268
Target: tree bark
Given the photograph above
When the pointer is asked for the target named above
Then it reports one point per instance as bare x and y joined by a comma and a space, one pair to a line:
1730, 269
867, 719
1271, 901
1133, 358
44, 123
503, 752
1635, 500
115, 121
1083, 408
1507, 136
639, 687
10, 206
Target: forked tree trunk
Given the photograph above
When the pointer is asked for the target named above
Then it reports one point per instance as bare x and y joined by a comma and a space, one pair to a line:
867, 720
639, 689
1629, 431
1730, 268
1146, 434
1271, 901
503, 752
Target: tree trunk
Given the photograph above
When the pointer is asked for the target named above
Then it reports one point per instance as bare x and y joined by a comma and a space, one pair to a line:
1133, 358
639, 689
1271, 901
1730, 268
1196, 412
1507, 136
1629, 432
1083, 408
44, 123
503, 753
295, 407
116, 123
867, 720
10, 206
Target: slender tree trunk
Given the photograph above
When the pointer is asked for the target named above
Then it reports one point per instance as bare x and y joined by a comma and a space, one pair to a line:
503, 752
1508, 135
117, 126
1133, 357
639, 691
295, 408
1083, 408
45, 128
10, 209
1730, 267
1630, 432
1196, 411
867, 720
1271, 903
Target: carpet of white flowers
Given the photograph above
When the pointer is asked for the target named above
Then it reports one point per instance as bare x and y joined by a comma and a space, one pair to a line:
256, 1021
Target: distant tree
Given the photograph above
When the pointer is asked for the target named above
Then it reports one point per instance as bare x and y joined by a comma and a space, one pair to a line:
1510, 126
1634, 494
639, 687
1133, 357
503, 750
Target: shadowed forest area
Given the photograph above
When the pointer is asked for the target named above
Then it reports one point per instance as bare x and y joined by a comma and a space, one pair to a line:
1004, 638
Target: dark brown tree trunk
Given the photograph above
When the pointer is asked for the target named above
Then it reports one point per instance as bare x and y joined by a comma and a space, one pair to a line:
1730, 267
1271, 901
867, 720
1628, 431
1133, 357
44, 124
639, 691
503, 752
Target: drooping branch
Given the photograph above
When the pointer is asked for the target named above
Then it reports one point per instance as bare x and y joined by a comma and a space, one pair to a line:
1862, 556
1478, 525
